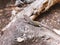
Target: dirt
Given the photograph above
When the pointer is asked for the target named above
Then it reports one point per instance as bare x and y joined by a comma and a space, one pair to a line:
4, 17
5, 12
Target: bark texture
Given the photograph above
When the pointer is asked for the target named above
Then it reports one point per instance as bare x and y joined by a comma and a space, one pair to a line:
32, 35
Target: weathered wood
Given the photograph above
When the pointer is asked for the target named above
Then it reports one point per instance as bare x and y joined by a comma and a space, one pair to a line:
31, 34
37, 7
34, 9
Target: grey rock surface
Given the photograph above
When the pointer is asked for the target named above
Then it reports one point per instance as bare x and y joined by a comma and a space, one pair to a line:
32, 35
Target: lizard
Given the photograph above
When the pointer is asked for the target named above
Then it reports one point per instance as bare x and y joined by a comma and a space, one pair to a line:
38, 24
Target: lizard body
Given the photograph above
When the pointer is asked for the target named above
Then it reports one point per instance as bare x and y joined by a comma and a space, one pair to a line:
36, 23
